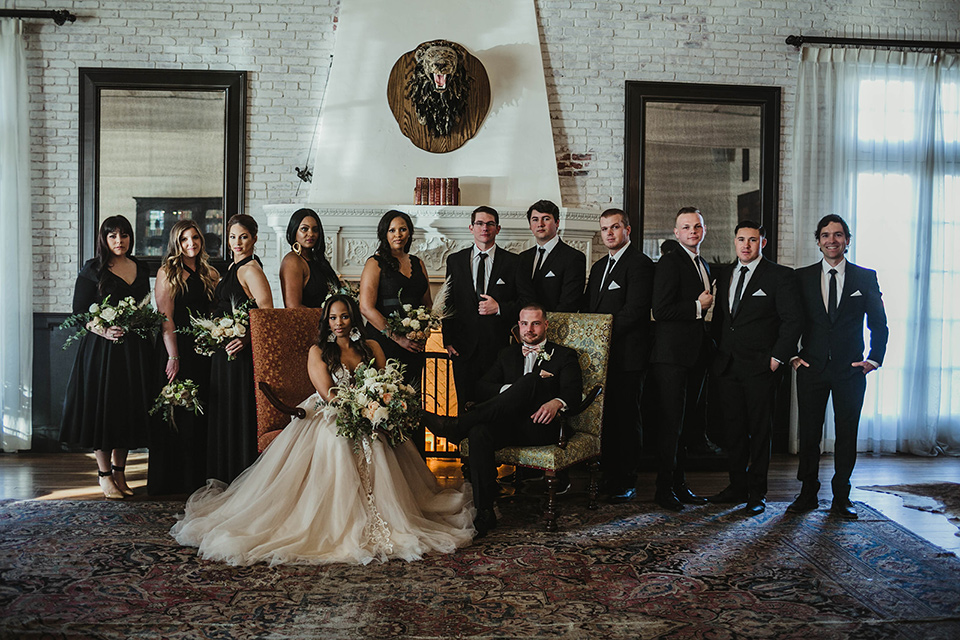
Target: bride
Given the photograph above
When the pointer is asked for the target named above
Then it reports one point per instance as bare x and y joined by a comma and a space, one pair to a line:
311, 498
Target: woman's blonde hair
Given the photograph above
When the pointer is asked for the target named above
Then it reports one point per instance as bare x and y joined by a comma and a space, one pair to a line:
173, 261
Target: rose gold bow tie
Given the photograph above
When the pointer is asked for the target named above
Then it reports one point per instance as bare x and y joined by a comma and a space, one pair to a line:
527, 350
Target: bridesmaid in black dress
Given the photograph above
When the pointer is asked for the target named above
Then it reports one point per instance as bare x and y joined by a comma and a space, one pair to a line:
109, 392
185, 286
306, 277
232, 428
392, 278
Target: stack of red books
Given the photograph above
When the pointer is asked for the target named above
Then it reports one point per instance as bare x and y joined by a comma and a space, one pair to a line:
437, 191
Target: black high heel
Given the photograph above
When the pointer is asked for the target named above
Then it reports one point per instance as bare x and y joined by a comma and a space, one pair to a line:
124, 489
110, 490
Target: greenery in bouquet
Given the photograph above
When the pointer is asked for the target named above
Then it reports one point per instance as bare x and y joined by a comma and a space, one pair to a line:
415, 323
345, 289
210, 334
138, 318
377, 404
179, 393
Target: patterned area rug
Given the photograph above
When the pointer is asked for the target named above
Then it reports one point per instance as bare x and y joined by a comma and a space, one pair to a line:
109, 570
935, 497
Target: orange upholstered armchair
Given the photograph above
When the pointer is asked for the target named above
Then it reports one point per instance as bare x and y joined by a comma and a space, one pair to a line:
280, 340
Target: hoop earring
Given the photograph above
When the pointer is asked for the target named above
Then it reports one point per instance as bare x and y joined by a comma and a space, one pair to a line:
332, 337
296, 248
355, 334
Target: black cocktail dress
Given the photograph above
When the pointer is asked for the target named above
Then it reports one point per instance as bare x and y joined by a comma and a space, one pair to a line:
394, 291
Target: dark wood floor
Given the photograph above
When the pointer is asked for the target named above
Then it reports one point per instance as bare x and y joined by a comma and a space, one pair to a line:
72, 476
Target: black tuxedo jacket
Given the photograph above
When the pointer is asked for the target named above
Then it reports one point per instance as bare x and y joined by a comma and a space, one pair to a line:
467, 329
767, 324
842, 341
560, 291
566, 382
676, 287
627, 295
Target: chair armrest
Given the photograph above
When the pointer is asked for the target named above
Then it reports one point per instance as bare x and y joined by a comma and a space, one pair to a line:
580, 408
276, 402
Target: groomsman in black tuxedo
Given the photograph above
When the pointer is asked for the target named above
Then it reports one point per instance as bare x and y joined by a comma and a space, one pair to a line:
621, 284
837, 297
757, 320
528, 388
552, 273
681, 351
483, 294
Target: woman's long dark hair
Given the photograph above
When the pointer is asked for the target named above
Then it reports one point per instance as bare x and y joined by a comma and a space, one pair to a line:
319, 253
386, 254
330, 351
103, 256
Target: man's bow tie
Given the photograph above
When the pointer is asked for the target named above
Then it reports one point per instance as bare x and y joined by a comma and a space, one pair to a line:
528, 349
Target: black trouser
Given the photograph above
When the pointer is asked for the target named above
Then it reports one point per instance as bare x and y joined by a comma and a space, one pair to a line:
622, 428
502, 421
678, 388
467, 372
747, 402
847, 384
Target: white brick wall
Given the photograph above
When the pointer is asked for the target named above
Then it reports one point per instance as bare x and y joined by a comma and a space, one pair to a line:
590, 49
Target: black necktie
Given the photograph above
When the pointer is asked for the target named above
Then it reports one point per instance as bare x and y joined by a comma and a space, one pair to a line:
832, 296
704, 273
540, 252
606, 274
739, 291
481, 272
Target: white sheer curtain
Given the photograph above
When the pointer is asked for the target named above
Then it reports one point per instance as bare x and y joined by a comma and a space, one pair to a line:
878, 142
16, 249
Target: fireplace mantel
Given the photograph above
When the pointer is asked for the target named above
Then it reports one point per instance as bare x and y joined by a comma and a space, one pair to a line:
351, 232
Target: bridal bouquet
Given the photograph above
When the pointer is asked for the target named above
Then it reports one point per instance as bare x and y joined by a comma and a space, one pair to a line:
377, 405
138, 318
413, 322
179, 393
210, 334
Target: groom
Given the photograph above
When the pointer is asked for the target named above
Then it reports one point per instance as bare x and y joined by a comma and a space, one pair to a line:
529, 388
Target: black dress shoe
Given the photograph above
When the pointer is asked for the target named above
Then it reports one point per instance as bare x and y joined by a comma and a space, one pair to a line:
843, 508
729, 496
621, 495
804, 503
485, 522
684, 495
668, 500
444, 427
755, 506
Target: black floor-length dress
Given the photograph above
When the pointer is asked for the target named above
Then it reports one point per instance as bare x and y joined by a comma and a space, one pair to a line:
232, 426
178, 457
110, 387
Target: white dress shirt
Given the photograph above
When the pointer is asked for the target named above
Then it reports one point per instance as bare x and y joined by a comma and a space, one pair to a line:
825, 281
751, 268
610, 267
547, 247
703, 276
487, 265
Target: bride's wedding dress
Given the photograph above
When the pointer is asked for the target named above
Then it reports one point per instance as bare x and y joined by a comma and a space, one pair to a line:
313, 497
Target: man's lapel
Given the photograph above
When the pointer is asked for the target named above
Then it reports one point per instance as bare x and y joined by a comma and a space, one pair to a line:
755, 284
496, 270
851, 283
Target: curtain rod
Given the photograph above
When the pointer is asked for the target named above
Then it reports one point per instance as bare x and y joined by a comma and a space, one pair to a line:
799, 41
60, 16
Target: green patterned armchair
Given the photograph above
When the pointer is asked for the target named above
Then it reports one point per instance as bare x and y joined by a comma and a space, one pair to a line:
589, 335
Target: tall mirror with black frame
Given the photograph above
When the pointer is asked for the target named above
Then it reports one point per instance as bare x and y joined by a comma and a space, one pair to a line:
715, 147
158, 146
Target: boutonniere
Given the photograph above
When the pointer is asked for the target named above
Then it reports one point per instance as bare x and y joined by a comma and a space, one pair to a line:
543, 356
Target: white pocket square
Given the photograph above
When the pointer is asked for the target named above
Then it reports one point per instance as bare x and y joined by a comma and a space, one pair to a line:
759, 292
500, 281
550, 274
613, 285
856, 293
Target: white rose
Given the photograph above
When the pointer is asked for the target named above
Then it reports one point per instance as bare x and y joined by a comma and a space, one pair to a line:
415, 325
241, 330
380, 415
370, 373
94, 308
407, 307
406, 322
108, 314
216, 332
226, 322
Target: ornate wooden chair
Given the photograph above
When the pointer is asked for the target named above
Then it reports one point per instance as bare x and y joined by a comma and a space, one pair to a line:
589, 335
280, 340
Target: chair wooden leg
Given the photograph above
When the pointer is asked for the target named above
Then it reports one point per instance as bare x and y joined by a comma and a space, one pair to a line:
594, 489
550, 514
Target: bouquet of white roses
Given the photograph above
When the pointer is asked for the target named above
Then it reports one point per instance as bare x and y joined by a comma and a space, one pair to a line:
210, 334
413, 322
179, 393
138, 318
377, 404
